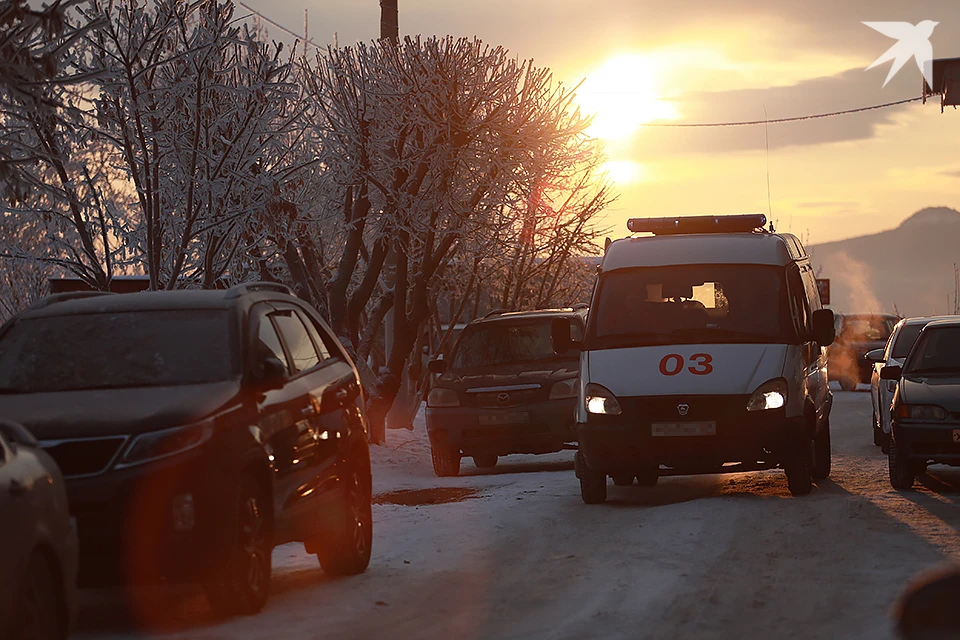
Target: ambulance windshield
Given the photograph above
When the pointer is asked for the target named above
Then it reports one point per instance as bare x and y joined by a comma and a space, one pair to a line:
691, 304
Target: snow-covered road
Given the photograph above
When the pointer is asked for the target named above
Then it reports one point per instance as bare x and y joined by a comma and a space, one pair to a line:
513, 553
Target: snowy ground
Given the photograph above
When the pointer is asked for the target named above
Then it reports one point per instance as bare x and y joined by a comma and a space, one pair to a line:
517, 555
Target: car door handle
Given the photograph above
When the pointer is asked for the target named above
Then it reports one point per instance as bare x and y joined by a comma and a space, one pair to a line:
341, 395
17, 487
309, 410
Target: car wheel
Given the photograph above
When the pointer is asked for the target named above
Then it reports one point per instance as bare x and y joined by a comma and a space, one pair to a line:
848, 384
485, 462
822, 454
40, 605
593, 485
446, 460
241, 580
649, 477
347, 552
799, 472
902, 474
622, 480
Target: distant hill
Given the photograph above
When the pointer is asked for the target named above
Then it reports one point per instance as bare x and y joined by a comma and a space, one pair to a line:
911, 266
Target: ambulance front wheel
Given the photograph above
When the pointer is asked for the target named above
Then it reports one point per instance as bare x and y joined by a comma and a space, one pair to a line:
593, 484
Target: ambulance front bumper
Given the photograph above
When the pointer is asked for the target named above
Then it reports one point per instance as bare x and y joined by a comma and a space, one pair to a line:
690, 435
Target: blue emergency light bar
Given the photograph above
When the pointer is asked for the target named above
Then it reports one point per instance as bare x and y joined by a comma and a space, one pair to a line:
698, 224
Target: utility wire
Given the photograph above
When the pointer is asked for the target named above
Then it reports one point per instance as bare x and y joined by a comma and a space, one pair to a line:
660, 125
299, 36
748, 123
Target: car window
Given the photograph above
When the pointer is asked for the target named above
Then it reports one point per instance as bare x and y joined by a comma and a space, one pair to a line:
813, 291
905, 339
322, 340
303, 354
937, 351
499, 343
268, 343
868, 328
799, 305
118, 349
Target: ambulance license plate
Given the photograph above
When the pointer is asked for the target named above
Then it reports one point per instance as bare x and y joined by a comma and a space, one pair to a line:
512, 417
683, 429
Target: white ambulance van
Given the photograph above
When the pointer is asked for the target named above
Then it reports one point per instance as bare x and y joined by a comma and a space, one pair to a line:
704, 352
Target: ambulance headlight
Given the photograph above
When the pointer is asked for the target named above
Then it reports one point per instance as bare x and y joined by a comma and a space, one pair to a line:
770, 395
600, 400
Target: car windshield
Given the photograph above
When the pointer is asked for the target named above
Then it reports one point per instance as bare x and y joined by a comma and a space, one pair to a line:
499, 343
905, 339
109, 350
690, 304
867, 328
937, 351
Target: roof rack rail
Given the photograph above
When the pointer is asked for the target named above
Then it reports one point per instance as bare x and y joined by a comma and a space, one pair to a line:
678, 225
54, 298
580, 305
253, 287
496, 312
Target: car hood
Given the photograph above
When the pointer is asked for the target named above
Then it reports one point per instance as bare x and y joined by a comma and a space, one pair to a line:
103, 412
941, 390
543, 373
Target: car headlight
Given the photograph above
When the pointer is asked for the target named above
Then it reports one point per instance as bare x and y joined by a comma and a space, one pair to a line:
770, 395
167, 442
600, 400
442, 397
921, 412
564, 389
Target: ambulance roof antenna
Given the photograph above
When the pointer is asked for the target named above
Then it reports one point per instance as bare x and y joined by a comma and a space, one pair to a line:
771, 227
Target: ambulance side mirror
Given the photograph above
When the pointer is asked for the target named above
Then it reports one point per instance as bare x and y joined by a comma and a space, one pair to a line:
560, 333
824, 331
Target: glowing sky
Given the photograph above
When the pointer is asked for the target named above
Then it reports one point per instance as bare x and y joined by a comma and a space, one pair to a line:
720, 60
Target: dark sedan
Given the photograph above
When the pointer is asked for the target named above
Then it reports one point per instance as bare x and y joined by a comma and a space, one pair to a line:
925, 418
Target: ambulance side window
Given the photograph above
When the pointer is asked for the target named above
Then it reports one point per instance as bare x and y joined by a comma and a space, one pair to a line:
799, 307
810, 284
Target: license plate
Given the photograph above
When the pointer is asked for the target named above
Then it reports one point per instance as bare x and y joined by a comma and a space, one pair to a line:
682, 429
956, 435
513, 417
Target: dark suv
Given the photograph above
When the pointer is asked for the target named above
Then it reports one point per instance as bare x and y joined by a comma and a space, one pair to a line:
195, 430
504, 390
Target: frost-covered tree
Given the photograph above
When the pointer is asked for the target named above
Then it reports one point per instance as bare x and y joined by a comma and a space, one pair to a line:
433, 144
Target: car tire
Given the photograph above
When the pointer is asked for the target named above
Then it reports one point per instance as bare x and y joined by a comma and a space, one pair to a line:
848, 384
347, 551
622, 480
799, 471
39, 611
240, 584
822, 454
902, 474
593, 485
486, 461
649, 477
446, 460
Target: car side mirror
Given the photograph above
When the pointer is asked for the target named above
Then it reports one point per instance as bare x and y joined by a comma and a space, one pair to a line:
437, 366
891, 372
874, 356
824, 331
16, 434
273, 373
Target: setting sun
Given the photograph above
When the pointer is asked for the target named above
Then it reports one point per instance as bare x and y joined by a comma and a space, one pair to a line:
622, 94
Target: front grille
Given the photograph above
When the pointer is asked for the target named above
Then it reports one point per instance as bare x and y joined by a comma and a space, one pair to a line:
721, 409
84, 456
496, 398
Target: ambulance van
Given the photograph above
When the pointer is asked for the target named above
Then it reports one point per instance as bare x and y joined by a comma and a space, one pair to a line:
704, 352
